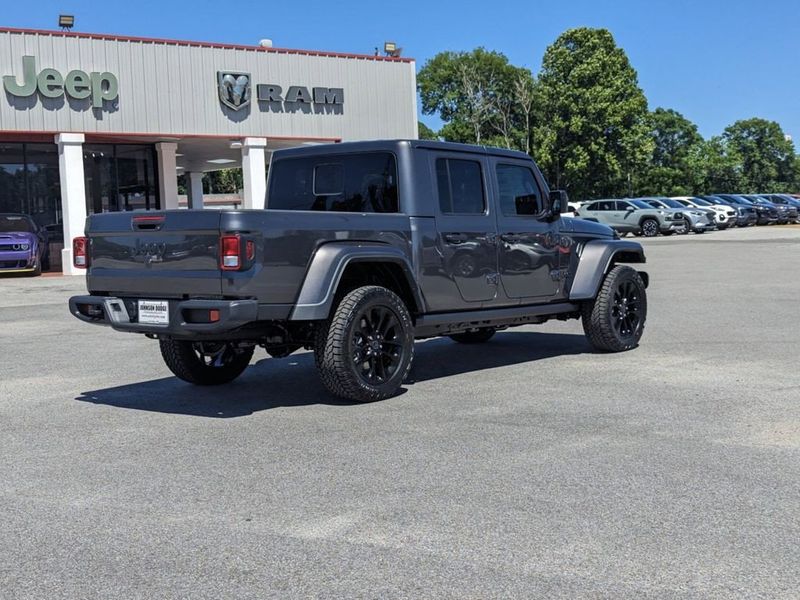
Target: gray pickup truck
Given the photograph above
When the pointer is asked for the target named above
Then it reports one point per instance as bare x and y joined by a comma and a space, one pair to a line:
363, 248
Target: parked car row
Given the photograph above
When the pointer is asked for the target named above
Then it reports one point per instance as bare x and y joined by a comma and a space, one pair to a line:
654, 215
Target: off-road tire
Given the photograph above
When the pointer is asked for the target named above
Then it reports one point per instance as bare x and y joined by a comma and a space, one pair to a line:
478, 336
649, 227
598, 315
335, 349
182, 358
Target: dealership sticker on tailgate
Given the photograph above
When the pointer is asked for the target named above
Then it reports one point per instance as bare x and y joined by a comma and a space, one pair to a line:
154, 312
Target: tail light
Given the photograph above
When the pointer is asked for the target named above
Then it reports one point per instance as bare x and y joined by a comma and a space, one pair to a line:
236, 253
80, 252
230, 247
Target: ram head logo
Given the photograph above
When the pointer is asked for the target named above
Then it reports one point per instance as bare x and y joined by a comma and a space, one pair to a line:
234, 89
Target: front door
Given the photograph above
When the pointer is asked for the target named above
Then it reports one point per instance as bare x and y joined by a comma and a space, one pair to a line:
466, 228
529, 247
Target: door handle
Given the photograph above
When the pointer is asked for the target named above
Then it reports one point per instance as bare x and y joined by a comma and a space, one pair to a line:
455, 238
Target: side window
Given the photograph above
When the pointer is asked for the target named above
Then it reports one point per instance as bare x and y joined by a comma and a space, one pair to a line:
519, 193
623, 206
593, 206
364, 183
606, 205
460, 186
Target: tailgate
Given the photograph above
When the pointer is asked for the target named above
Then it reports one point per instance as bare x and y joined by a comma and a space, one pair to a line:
162, 254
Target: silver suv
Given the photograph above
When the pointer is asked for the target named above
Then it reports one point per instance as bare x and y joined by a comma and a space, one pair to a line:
698, 221
633, 216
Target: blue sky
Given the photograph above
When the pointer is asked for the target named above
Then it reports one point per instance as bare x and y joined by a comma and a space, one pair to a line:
714, 61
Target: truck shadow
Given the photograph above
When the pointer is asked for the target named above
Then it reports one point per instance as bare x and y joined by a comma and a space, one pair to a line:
292, 381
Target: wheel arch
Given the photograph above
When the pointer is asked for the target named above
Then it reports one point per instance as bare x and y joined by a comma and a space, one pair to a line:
644, 218
340, 267
598, 258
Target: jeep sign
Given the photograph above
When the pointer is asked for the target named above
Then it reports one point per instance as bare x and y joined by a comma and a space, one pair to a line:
100, 87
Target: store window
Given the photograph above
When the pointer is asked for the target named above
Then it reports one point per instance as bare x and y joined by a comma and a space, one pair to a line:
120, 177
29, 183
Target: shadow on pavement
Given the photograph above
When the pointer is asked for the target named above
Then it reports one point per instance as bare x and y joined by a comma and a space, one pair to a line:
292, 381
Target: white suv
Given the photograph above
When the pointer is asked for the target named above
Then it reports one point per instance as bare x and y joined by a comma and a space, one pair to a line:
724, 216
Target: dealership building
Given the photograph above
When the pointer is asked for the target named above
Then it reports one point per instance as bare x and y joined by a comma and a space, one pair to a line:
94, 123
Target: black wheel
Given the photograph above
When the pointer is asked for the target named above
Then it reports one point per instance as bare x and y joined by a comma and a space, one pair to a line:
365, 351
649, 228
37, 270
615, 320
474, 337
205, 363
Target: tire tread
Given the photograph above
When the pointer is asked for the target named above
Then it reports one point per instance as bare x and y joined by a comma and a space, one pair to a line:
330, 354
596, 324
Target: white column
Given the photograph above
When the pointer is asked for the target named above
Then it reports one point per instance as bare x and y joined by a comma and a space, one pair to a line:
254, 172
167, 174
73, 194
195, 189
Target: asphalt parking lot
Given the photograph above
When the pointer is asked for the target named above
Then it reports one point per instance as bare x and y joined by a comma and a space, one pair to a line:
527, 467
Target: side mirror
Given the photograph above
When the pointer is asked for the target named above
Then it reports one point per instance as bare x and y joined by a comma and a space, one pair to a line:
558, 204
630, 209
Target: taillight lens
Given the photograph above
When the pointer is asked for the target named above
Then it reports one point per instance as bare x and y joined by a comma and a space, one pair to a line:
80, 252
230, 247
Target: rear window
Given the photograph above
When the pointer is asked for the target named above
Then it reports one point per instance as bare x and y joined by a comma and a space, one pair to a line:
363, 183
460, 185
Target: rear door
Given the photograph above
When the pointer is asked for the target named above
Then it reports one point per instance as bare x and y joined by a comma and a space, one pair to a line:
528, 248
466, 228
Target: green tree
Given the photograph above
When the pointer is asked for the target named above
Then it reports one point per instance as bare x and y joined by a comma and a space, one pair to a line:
223, 181
426, 133
674, 140
767, 156
714, 167
480, 96
591, 133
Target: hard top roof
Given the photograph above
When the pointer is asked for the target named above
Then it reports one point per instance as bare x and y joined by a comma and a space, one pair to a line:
393, 145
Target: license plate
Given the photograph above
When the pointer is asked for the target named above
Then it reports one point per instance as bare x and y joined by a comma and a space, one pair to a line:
154, 312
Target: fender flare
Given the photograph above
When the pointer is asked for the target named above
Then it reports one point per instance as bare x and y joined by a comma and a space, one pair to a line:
329, 263
595, 259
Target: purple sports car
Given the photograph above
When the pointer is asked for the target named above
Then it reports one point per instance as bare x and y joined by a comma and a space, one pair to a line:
23, 245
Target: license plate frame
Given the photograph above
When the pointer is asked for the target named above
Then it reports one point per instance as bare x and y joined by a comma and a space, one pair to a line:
153, 312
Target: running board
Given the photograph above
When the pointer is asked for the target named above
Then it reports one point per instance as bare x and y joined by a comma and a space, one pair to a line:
431, 325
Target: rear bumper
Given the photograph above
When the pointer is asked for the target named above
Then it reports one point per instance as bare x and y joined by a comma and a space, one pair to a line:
120, 314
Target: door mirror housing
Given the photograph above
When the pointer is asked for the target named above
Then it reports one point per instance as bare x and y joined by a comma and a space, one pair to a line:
630, 208
558, 204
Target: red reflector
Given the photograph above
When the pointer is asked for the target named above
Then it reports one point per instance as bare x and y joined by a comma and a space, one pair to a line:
213, 315
230, 247
80, 256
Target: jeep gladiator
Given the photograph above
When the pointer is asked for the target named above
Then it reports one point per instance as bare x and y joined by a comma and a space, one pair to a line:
362, 248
